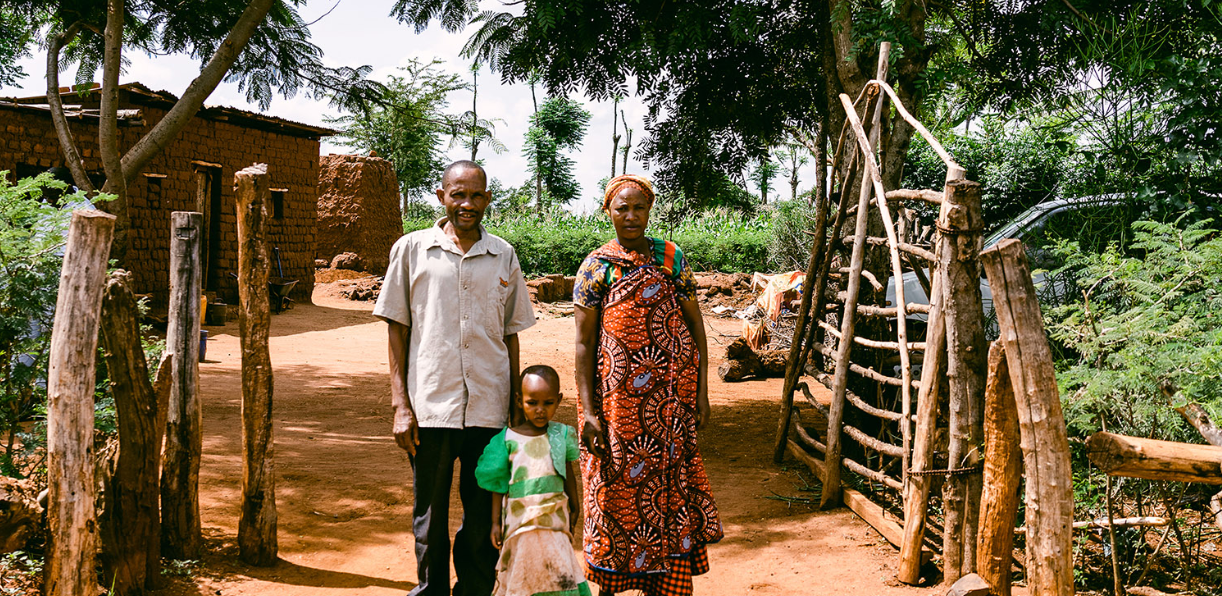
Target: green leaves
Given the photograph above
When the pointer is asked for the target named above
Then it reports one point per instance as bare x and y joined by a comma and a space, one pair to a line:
558, 126
1143, 321
34, 217
407, 124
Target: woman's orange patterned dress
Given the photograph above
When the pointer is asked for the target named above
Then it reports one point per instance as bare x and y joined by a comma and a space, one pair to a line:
649, 510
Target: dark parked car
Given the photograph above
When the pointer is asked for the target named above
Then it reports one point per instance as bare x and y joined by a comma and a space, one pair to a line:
1095, 221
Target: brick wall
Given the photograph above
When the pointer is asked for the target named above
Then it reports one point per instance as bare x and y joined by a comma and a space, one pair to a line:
27, 140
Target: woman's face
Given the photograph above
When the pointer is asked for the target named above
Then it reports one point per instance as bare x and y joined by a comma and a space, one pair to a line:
629, 211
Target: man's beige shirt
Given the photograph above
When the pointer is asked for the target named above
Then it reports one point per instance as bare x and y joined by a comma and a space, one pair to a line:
459, 307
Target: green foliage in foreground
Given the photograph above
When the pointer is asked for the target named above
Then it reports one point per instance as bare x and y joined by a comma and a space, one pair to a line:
556, 242
1143, 322
32, 236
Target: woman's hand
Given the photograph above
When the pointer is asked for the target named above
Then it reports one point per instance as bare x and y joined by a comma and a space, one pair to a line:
593, 437
496, 534
703, 411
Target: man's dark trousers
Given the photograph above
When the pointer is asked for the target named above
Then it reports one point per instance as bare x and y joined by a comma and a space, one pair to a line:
474, 555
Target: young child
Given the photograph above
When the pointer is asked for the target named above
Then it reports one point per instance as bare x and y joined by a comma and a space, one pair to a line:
530, 469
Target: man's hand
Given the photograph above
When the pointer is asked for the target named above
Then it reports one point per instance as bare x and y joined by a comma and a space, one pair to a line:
593, 437
496, 535
407, 432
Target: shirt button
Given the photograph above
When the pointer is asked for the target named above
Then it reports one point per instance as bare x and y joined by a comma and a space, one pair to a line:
466, 346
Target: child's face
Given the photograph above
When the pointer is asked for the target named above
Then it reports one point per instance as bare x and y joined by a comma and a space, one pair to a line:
539, 401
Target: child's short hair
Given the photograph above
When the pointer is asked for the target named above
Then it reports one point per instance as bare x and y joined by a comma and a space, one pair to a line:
545, 372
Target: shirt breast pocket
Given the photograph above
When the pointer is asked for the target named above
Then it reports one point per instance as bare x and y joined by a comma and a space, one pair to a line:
494, 311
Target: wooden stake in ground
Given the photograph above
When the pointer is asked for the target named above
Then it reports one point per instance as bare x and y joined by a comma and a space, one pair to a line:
180, 529
131, 522
257, 527
72, 538
1045, 443
1002, 473
916, 489
965, 371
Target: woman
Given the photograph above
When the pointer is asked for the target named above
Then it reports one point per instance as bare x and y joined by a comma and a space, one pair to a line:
649, 511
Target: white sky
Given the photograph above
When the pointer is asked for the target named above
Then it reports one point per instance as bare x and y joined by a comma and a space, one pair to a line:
360, 32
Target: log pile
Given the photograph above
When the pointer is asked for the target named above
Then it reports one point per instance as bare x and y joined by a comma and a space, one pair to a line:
743, 363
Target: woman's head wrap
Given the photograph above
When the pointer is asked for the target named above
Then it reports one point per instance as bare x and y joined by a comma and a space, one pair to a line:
619, 182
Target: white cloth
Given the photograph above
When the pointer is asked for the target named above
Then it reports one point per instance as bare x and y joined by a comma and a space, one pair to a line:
459, 307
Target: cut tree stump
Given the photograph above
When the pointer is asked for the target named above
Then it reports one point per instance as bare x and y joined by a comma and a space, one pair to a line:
131, 519
1003, 467
71, 517
257, 543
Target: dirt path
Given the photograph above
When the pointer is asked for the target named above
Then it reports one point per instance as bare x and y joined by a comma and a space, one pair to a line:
343, 488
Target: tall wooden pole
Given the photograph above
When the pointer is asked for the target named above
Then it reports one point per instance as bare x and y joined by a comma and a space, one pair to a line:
916, 488
257, 525
1001, 478
965, 371
1042, 434
71, 517
131, 522
180, 529
831, 481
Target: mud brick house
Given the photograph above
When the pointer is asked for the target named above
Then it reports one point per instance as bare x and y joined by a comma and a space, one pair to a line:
193, 173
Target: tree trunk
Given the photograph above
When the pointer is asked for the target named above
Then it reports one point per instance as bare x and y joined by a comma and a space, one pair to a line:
183, 447
130, 524
1045, 444
1002, 475
965, 370
1135, 457
614, 133
72, 525
257, 527
67, 144
627, 144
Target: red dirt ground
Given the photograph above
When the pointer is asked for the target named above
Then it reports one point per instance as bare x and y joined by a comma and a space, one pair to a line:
344, 490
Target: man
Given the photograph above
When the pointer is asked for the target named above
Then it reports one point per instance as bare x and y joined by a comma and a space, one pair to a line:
455, 300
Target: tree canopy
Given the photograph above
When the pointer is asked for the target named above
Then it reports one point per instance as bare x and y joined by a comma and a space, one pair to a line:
407, 126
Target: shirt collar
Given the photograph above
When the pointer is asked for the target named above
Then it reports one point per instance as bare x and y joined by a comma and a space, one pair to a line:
481, 246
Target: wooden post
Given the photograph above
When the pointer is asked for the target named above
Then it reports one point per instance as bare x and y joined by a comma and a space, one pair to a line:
1002, 474
916, 489
1042, 434
257, 525
965, 370
793, 366
835, 418
131, 522
180, 529
73, 533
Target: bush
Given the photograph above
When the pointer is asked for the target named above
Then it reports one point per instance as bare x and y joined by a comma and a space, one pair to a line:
789, 246
1143, 322
32, 235
557, 241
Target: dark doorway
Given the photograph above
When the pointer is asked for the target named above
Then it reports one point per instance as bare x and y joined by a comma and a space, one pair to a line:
208, 202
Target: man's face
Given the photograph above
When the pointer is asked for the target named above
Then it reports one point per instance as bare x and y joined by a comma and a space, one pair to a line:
465, 196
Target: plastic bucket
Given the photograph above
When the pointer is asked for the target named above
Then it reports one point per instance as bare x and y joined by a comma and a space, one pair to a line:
203, 344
